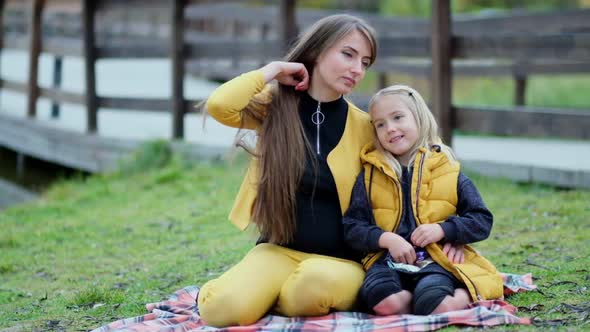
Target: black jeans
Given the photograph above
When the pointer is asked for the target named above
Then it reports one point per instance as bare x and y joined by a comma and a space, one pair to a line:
429, 286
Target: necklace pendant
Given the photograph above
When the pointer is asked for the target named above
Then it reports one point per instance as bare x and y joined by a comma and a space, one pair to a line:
318, 118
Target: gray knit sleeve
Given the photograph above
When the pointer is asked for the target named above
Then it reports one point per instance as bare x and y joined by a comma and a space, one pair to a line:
473, 221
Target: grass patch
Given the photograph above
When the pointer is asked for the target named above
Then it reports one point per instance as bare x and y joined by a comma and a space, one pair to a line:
99, 248
8, 241
559, 91
150, 155
96, 296
6, 268
556, 91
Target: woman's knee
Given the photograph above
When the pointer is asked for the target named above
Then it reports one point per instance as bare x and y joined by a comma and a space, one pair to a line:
220, 307
242, 295
319, 285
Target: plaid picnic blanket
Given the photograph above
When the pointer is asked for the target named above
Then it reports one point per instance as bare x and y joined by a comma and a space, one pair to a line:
180, 314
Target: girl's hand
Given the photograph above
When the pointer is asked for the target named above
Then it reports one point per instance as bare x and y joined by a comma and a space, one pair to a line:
287, 73
426, 234
401, 250
456, 254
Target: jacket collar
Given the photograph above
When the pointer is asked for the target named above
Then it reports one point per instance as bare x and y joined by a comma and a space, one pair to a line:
372, 156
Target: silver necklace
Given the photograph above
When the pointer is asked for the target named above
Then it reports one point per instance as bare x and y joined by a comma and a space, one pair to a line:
318, 118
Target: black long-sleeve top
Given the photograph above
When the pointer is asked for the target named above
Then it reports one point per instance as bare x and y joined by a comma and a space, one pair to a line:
318, 212
472, 223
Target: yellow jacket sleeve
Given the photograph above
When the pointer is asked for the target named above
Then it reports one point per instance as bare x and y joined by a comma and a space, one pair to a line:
226, 103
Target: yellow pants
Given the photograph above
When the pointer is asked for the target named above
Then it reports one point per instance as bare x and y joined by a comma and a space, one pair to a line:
290, 282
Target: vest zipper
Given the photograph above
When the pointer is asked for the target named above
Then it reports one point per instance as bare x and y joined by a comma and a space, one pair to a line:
371, 255
477, 294
400, 202
418, 188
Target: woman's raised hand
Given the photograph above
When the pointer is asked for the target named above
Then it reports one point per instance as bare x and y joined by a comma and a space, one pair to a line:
287, 73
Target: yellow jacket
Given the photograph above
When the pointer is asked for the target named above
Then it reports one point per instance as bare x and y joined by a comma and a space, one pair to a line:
434, 198
225, 105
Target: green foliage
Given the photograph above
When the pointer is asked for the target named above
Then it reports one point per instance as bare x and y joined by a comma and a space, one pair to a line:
368, 85
96, 296
6, 268
544, 91
559, 91
464, 6
101, 247
421, 8
8, 241
418, 8
150, 155
317, 4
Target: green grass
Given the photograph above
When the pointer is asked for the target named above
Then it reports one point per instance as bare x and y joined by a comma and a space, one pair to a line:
558, 91
98, 249
544, 91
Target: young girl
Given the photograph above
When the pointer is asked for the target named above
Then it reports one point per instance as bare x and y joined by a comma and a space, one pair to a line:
412, 200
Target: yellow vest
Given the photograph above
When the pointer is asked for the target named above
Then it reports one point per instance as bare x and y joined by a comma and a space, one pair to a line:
225, 105
434, 198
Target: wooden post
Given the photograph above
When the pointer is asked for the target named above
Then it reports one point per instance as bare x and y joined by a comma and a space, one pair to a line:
34, 51
441, 68
235, 57
88, 9
57, 70
177, 56
287, 23
20, 165
382, 80
264, 30
520, 90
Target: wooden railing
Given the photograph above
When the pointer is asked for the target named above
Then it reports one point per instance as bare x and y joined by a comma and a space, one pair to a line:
219, 41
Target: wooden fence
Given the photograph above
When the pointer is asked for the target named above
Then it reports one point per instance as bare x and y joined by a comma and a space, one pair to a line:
219, 40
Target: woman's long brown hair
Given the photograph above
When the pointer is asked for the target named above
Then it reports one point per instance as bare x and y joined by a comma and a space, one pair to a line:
281, 145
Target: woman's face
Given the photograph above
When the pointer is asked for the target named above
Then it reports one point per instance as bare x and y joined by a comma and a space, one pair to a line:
341, 67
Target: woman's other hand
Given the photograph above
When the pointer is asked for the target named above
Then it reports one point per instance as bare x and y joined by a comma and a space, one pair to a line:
287, 73
455, 253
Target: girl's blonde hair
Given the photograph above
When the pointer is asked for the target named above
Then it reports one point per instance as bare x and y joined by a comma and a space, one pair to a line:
428, 136
282, 147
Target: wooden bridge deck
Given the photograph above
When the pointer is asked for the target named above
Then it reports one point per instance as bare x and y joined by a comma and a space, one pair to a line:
91, 153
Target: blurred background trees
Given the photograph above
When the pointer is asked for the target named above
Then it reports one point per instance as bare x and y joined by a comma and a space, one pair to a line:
421, 8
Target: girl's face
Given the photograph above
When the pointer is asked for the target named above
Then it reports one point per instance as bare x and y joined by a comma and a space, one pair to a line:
396, 127
339, 68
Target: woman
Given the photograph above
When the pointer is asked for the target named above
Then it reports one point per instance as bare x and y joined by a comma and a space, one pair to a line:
299, 183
